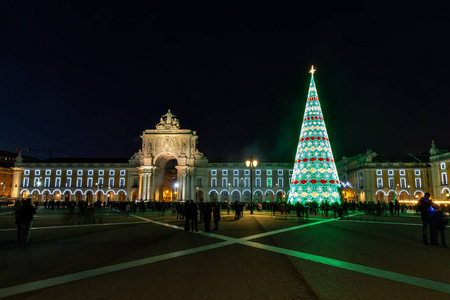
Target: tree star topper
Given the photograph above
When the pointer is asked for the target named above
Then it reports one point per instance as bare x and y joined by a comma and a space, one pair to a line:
312, 70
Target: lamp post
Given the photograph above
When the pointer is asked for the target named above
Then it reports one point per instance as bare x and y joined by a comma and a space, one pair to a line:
251, 163
176, 190
3, 194
228, 198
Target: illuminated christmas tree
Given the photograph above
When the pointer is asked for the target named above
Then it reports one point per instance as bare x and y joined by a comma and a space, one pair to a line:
315, 176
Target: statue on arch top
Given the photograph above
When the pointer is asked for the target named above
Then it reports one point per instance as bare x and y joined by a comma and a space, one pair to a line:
168, 121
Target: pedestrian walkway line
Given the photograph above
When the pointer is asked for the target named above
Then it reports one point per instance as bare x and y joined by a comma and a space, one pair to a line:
75, 226
408, 279
45, 283
388, 223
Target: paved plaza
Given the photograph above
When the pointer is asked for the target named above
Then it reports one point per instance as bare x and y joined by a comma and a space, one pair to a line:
106, 255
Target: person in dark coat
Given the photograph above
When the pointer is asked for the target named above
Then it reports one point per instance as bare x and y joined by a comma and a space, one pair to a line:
216, 216
423, 206
207, 216
438, 220
27, 212
17, 206
187, 214
194, 215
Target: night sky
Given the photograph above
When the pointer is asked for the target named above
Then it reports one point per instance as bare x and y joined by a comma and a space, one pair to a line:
87, 78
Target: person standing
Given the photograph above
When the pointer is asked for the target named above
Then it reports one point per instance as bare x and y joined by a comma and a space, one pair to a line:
438, 220
207, 216
423, 206
194, 215
216, 216
27, 212
17, 206
187, 214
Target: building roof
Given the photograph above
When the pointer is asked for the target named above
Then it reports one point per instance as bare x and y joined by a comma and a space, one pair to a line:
404, 158
68, 160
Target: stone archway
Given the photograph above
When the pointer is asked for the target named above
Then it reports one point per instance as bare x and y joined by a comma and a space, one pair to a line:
269, 196
246, 196
235, 196
213, 196
134, 196
199, 196
380, 196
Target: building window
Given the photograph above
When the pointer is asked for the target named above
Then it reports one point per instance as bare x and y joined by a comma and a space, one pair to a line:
403, 183
444, 178
247, 182
213, 182
58, 172
47, 182
69, 172
26, 182
380, 183
224, 182
101, 172
58, 182
443, 166
247, 172
390, 172
236, 172
269, 172
89, 182
48, 172
37, 172
258, 172
122, 182
79, 181
417, 172
391, 183
27, 172
235, 182
269, 182
379, 172
199, 182
111, 172
37, 183
258, 182
80, 173
100, 182
69, 182
213, 172
418, 183
291, 172
111, 183
402, 172
224, 172
280, 182
280, 172
90, 172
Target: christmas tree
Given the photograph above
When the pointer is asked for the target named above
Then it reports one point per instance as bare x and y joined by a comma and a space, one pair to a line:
315, 176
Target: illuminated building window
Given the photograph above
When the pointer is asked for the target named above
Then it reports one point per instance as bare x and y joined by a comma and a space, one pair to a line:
213, 182
418, 183
111, 172
247, 182
224, 182
90, 172
101, 172
58, 172
247, 172
214, 172
391, 183
444, 178
269, 182
26, 182
27, 172
122, 182
390, 172
47, 182
100, 182
68, 182
443, 167
48, 172
235, 182
402, 172
291, 172
80, 173
58, 182
122, 172
380, 183
379, 172
280, 172
37, 172
280, 182
402, 182
111, 182
258, 172
69, 172
417, 172
224, 172
258, 182
36, 182
89, 182
269, 172
79, 181
236, 172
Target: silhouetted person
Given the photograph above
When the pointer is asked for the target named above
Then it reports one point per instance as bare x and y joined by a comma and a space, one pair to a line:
423, 206
187, 214
207, 216
194, 215
397, 208
216, 216
27, 212
17, 206
437, 220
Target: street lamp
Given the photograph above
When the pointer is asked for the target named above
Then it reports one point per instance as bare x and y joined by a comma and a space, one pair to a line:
3, 184
251, 163
176, 190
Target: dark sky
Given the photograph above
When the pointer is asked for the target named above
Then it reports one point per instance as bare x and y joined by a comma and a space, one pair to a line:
88, 77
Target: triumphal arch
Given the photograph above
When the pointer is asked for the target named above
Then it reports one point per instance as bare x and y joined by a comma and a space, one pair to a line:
169, 144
